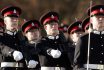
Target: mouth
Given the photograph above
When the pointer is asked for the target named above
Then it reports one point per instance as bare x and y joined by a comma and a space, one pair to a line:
100, 22
14, 24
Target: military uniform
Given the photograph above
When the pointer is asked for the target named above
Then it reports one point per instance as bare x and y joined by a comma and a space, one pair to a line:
96, 49
10, 42
30, 50
8, 45
57, 43
75, 27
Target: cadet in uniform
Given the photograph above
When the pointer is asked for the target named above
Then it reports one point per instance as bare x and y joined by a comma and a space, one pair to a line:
31, 30
96, 55
54, 54
74, 32
12, 58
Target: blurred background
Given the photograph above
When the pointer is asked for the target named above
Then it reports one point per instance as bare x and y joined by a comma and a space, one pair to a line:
69, 10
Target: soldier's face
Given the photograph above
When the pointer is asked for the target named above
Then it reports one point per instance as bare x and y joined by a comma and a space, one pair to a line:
11, 23
98, 22
52, 28
75, 36
33, 34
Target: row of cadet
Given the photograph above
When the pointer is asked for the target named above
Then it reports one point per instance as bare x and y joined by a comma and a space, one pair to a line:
28, 50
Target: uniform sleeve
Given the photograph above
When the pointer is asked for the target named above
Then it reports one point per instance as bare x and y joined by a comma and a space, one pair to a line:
6, 50
29, 53
71, 53
78, 56
27, 56
43, 47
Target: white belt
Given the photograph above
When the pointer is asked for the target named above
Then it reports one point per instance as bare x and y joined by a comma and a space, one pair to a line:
11, 64
94, 66
52, 68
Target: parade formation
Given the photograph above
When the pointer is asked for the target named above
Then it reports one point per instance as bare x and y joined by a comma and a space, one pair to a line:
78, 46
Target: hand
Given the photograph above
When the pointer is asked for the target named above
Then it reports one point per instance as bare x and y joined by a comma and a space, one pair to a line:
55, 53
32, 64
17, 55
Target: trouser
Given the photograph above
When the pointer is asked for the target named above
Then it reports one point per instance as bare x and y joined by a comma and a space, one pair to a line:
34, 69
9, 68
52, 68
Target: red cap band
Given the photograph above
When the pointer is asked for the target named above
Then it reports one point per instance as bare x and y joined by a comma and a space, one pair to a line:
48, 19
30, 26
73, 29
97, 11
10, 13
86, 26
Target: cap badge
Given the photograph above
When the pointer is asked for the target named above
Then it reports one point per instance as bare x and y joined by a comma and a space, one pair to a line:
24, 20
79, 26
101, 10
14, 11
52, 16
65, 28
32, 24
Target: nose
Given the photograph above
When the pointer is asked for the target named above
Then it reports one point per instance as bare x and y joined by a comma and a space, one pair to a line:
15, 20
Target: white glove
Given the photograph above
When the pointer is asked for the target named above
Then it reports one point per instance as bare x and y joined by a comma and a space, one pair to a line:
55, 53
32, 64
17, 55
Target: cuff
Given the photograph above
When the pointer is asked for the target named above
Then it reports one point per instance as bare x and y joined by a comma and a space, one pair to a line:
49, 51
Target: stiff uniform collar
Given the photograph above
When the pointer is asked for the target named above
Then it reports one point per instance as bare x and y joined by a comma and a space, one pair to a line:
53, 37
33, 42
98, 32
11, 33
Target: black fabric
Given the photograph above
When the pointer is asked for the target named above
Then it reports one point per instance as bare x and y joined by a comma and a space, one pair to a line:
8, 44
49, 61
96, 50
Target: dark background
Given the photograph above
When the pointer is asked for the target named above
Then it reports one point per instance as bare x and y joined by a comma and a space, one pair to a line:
67, 9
